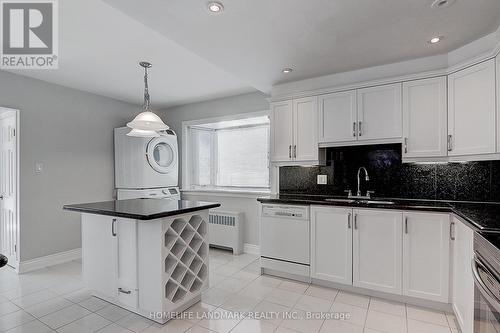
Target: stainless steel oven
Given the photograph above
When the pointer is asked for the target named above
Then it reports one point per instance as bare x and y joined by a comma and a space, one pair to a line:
486, 268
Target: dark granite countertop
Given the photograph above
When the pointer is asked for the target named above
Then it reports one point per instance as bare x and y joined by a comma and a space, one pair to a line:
142, 209
480, 216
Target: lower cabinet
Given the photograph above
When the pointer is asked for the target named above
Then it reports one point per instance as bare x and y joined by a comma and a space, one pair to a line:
463, 282
377, 250
110, 257
426, 256
404, 253
331, 234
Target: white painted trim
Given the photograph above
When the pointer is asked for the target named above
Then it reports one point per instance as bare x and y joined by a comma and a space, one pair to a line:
50, 260
251, 249
477, 51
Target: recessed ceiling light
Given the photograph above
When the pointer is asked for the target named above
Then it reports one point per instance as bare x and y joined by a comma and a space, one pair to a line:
442, 3
287, 70
215, 7
436, 39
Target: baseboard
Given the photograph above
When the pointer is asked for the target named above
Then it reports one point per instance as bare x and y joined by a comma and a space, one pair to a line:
251, 249
50, 260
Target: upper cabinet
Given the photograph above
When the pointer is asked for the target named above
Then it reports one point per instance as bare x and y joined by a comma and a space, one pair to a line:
424, 118
472, 110
338, 117
365, 115
294, 135
379, 112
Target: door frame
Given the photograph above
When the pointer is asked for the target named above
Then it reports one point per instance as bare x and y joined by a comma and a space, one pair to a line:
4, 112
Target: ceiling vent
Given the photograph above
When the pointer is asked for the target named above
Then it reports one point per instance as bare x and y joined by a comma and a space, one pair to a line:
442, 3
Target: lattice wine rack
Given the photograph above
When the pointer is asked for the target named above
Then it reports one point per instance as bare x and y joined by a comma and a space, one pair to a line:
186, 259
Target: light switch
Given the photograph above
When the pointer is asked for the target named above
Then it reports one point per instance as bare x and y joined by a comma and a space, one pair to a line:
322, 179
38, 167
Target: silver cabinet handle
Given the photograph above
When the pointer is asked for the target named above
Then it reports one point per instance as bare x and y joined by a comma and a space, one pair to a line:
355, 221
450, 142
113, 227
123, 291
360, 132
406, 225
349, 216
452, 230
406, 145
354, 129
290, 151
295, 151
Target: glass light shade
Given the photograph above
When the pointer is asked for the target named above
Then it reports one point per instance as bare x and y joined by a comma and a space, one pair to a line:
147, 121
143, 134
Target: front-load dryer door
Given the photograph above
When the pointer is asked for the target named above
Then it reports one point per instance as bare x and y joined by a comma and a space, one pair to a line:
161, 155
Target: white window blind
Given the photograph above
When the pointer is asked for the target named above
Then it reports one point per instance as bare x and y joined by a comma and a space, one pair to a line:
230, 154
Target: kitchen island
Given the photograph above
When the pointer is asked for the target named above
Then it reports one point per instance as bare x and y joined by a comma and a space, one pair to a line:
149, 256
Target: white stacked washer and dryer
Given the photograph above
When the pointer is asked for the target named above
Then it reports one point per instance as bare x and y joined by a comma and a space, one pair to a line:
146, 167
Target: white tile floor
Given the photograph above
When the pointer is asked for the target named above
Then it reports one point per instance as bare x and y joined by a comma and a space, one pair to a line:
55, 300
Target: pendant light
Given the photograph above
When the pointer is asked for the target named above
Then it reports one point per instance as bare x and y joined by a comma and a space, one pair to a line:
146, 123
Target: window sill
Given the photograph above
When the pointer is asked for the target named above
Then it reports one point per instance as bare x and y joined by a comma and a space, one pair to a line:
227, 193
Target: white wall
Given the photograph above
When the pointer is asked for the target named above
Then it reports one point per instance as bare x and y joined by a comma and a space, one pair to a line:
71, 132
216, 108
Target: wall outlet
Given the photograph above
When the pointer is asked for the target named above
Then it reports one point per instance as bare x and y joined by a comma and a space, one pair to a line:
38, 167
322, 179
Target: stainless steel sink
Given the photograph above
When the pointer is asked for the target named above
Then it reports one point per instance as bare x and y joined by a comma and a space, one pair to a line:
376, 202
341, 200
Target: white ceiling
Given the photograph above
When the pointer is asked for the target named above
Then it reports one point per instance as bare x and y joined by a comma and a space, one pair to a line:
255, 39
100, 48
198, 56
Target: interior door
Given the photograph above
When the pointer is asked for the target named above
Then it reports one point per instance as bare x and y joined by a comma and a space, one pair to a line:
8, 186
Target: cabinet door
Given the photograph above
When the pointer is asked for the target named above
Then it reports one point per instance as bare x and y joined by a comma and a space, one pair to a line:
127, 262
100, 254
337, 117
331, 244
377, 250
463, 282
305, 119
425, 118
426, 252
380, 115
281, 131
472, 113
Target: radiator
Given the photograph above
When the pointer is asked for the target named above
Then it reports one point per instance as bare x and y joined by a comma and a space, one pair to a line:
225, 229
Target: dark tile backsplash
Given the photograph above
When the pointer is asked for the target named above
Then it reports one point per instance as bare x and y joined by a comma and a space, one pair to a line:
389, 177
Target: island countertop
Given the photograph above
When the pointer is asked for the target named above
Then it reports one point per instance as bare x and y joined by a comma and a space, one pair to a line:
141, 209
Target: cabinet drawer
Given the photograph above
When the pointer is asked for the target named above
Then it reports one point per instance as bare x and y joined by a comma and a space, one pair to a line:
128, 296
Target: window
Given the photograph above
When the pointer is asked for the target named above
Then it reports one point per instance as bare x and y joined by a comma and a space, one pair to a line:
229, 154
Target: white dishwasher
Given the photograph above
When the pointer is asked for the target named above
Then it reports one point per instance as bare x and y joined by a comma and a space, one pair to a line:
284, 240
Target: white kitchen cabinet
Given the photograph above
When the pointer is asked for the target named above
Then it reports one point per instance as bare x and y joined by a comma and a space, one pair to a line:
331, 244
338, 117
426, 253
472, 110
425, 126
380, 112
294, 134
377, 250
463, 281
100, 254
305, 133
281, 131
